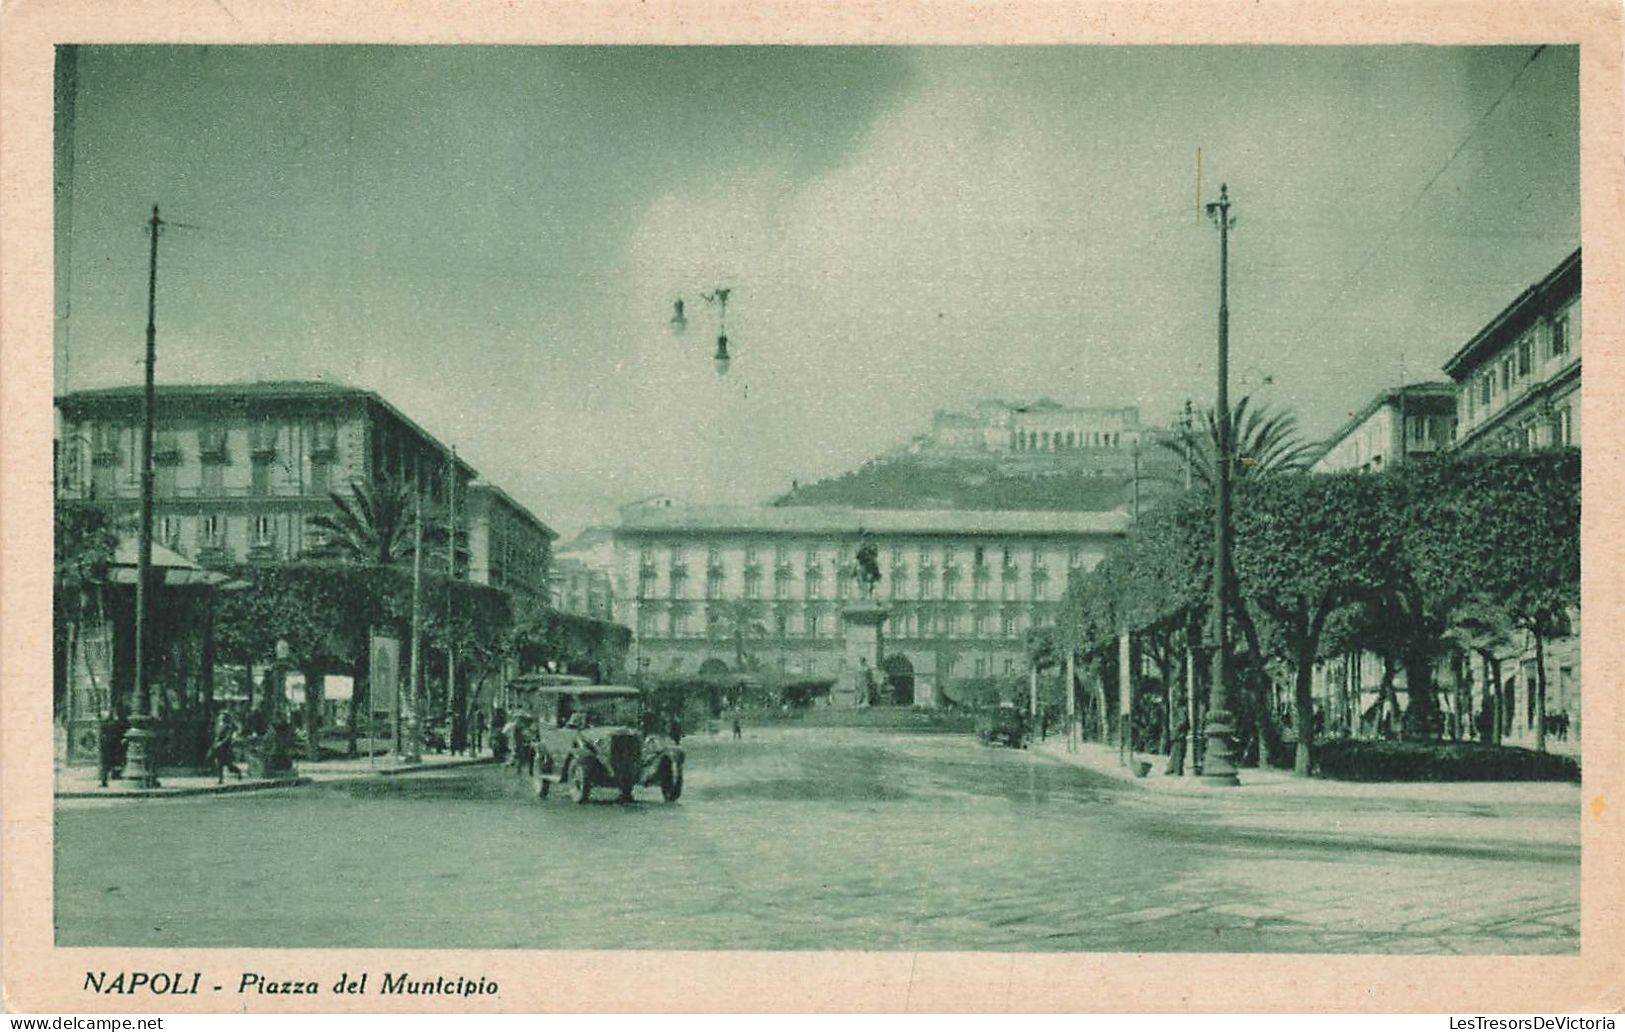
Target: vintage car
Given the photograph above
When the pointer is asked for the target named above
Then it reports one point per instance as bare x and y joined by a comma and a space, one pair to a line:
588, 736
1002, 725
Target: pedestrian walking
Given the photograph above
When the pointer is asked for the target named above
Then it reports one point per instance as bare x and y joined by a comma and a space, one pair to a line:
738, 731
479, 731
109, 744
223, 747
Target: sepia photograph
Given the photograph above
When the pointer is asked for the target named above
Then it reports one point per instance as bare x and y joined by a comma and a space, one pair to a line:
1053, 499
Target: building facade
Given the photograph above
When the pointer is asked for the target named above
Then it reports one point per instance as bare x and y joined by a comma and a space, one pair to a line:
508, 547
1041, 426
1515, 384
1414, 420
1518, 378
239, 468
962, 587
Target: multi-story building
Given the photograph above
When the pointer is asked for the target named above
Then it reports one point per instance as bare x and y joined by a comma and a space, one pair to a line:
583, 569
1519, 376
508, 547
1515, 385
962, 587
239, 468
1417, 419
1519, 380
582, 589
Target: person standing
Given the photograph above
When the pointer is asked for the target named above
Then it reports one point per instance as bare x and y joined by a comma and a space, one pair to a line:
223, 747
478, 737
109, 744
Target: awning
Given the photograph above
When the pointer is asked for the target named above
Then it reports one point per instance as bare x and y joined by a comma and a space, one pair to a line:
176, 570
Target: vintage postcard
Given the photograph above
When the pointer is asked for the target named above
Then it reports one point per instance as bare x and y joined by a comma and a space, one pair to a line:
869, 508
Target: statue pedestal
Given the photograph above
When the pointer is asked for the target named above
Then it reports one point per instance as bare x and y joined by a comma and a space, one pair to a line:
862, 626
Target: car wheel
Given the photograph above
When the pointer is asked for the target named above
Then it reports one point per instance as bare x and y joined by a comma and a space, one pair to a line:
580, 788
671, 783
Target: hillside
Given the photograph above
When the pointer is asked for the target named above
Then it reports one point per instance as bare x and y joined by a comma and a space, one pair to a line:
912, 482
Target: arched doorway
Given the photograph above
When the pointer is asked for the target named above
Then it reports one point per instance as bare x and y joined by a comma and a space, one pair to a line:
899, 679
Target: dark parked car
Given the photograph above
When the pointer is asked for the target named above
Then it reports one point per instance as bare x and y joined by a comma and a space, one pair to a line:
1003, 725
587, 737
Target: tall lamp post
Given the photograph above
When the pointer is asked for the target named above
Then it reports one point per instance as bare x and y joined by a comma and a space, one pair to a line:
717, 298
139, 740
1187, 424
1218, 766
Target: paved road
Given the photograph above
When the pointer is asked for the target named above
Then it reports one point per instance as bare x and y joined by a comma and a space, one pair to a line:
817, 839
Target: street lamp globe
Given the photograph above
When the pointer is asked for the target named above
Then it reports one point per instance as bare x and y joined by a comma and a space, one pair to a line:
721, 356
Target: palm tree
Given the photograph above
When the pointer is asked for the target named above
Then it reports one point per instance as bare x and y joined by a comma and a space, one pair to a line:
372, 526
1266, 443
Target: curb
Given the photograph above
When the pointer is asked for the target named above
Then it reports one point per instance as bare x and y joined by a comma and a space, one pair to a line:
256, 786
176, 793
385, 772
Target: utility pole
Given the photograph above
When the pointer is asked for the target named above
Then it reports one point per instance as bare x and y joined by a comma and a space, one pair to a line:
411, 738
1218, 767
1188, 421
1135, 444
453, 704
139, 739
1071, 696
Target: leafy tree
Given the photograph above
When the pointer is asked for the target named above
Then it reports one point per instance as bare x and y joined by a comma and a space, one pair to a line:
84, 542
738, 620
1306, 546
1504, 528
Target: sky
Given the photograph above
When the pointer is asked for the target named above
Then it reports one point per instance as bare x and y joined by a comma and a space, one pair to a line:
492, 237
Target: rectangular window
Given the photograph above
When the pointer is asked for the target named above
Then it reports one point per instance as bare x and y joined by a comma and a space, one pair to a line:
1560, 335
1009, 666
211, 531
981, 666
259, 482
324, 439
1486, 389
163, 479
214, 480
262, 439
105, 438
812, 625
1506, 375
753, 588
1009, 625
169, 531
321, 478
646, 622
1526, 354
815, 587
264, 531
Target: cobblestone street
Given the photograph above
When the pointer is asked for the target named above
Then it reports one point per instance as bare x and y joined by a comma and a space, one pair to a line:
821, 839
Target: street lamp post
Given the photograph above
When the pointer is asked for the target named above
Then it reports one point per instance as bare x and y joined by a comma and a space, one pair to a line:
1187, 423
140, 745
1218, 765
719, 299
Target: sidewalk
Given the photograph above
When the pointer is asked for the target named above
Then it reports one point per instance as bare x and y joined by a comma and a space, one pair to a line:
81, 782
1280, 784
